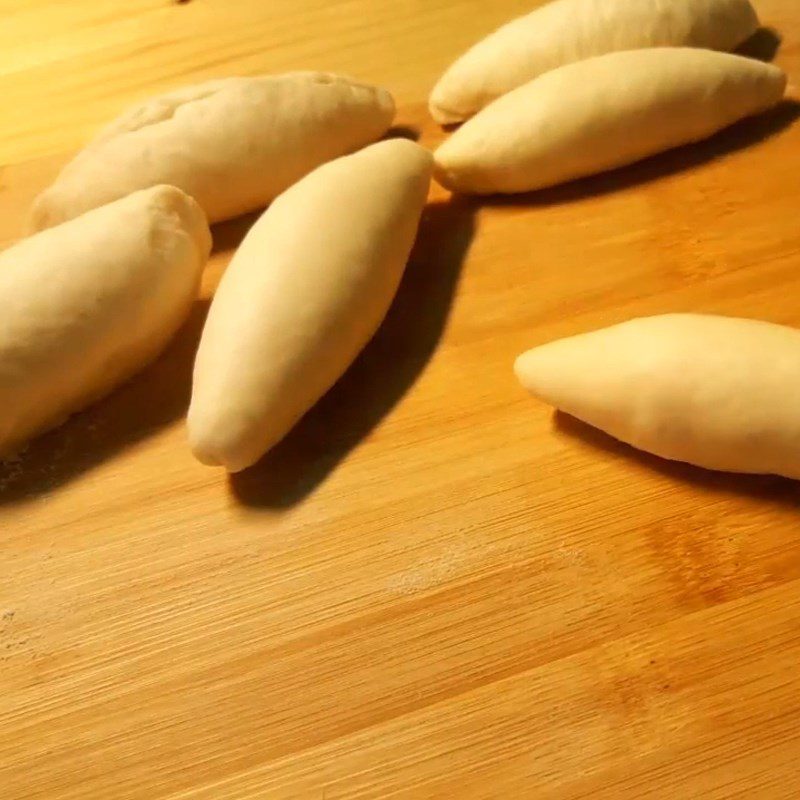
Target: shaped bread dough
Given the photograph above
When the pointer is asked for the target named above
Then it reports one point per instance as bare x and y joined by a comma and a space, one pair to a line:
306, 290
717, 392
603, 113
566, 31
233, 144
88, 303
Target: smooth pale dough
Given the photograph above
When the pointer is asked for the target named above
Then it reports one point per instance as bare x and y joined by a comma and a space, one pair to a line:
603, 113
566, 31
304, 293
88, 303
717, 392
233, 144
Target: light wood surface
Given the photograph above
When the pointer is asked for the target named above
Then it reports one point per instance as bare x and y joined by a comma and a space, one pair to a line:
433, 587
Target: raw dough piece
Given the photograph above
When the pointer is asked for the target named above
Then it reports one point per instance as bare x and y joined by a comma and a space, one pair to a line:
603, 113
304, 293
566, 31
88, 303
717, 392
233, 144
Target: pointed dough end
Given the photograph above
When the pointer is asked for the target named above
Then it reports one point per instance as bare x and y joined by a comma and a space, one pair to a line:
541, 371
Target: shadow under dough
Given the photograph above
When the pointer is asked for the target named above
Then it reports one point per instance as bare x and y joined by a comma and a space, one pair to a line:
743, 134
228, 235
763, 45
402, 131
763, 488
151, 400
379, 377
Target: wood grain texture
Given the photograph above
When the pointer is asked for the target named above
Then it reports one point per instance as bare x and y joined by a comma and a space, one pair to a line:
433, 587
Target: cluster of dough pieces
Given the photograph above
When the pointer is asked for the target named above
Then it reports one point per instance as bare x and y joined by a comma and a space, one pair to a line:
573, 88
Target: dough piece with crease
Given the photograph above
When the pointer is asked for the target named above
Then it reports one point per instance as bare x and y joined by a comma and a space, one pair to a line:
233, 144
88, 303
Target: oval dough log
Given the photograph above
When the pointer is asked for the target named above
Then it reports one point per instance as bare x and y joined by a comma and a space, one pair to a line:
566, 31
233, 144
304, 293
603, 113
717, 392
88, 303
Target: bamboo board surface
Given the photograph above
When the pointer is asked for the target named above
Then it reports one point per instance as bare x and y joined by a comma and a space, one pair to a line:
433, 587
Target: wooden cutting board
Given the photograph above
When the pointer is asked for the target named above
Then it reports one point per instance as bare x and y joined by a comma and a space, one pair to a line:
433, 587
